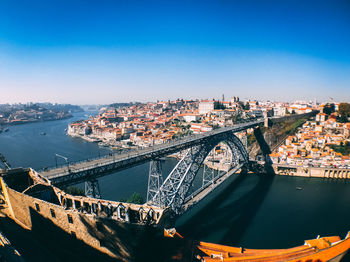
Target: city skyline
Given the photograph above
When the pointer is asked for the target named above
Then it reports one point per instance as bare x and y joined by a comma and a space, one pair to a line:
99, 53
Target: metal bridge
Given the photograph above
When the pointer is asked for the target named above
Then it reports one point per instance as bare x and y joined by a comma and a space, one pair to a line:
87, 170
174, 191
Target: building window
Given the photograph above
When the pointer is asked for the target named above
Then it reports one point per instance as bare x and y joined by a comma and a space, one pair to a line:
37, 207
77, 204
70, 219
52, 213
69, 203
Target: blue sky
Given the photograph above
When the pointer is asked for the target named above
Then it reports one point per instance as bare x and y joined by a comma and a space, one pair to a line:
115, 51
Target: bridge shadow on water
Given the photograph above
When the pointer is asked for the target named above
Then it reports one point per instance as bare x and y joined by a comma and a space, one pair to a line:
229, 214
233, 216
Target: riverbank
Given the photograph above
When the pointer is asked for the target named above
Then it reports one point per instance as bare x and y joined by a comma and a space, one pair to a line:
320, 172
6, 125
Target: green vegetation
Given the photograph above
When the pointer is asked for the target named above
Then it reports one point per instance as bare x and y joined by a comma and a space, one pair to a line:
135, 198
236, 118
218, 105
251, 139
344, 111
75, 191
329, 109
278, 130
290, 128
344, 149
244, 106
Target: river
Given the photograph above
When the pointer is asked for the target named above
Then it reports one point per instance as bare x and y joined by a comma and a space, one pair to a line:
253, 211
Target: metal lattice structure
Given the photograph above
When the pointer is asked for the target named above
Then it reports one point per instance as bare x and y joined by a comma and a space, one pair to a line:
92, 188
211, 174
208, 176
155, 180
175, 188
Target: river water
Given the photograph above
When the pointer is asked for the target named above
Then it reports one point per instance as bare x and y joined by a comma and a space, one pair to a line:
253, 211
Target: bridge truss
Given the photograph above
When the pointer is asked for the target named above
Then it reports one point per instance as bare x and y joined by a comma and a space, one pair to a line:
174, 190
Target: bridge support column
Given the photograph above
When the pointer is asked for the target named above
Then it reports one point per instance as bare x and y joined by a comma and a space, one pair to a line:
245, 139
266, 120
155, 180
208, 174
92, 188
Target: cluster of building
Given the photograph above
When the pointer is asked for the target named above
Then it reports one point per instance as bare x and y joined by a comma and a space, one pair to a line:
313, 145
144, 125
24, 113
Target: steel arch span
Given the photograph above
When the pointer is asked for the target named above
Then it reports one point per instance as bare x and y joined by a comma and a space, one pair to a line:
173, 191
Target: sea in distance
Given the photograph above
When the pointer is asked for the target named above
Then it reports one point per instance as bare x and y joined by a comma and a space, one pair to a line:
253, 211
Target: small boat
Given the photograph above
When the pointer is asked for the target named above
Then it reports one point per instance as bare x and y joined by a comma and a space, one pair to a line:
43, 133
298, 188
6, 130
320, 249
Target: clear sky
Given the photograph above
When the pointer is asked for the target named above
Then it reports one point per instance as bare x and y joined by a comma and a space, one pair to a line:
106, 51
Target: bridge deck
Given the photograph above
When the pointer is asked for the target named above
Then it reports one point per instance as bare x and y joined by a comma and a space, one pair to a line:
84, 170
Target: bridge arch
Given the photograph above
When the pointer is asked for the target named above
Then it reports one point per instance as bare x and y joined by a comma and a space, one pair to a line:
173, 191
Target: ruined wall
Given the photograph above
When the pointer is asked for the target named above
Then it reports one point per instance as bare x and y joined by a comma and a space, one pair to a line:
117, 239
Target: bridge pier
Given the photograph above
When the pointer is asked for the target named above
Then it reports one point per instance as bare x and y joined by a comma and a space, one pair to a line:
92, 188
155, 180
208, 175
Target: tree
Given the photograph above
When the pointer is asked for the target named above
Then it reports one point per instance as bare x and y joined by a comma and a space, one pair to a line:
344, 111
293, 112
75, 191
343, 119
218, 105
136, 198
329, 109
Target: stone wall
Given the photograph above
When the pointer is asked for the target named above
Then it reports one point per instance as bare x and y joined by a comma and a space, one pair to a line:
109, 235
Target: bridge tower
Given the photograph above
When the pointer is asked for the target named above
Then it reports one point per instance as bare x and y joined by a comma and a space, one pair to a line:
208, 173
92, 188
155, 180
244, 139
266, 119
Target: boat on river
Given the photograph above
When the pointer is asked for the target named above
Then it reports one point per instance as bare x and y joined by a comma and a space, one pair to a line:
323, 249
